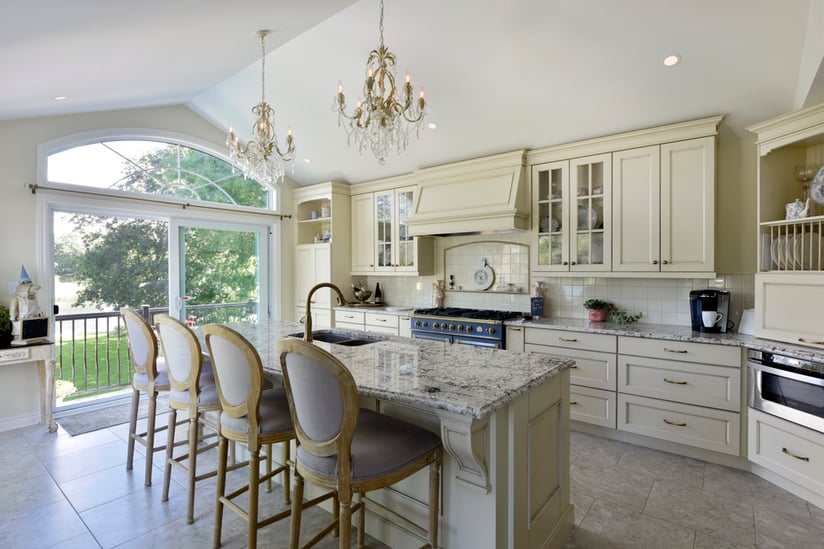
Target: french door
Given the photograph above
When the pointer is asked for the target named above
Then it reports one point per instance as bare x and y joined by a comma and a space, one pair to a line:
218, 272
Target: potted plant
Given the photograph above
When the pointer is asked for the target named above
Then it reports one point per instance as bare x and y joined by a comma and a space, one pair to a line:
598, 309
5, 326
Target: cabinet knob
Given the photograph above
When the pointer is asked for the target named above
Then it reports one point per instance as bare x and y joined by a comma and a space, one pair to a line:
654, 262
665, 262
572, 263
565, 263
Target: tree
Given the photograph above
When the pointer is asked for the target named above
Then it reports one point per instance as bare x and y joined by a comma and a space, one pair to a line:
124, 262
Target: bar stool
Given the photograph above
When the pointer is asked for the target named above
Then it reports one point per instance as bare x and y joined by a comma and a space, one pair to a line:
348, 449
149, 377
192, 390
250, 415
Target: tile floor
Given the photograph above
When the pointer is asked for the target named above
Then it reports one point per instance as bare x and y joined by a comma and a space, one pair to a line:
74, 492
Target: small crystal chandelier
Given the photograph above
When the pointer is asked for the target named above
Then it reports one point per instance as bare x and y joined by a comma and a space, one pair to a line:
257, 160
386, 118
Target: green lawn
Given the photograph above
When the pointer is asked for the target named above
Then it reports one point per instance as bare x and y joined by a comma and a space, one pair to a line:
96, 364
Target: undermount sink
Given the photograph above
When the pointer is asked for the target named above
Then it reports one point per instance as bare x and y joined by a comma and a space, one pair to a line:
338, 338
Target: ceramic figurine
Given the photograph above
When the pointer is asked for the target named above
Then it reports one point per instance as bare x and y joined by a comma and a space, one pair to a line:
24, 302
798, 209
538, 289
437, 294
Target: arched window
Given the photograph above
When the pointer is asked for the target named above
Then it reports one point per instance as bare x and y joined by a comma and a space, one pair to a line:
156, 168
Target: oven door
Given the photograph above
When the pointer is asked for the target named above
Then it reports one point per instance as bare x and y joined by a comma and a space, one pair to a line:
789, 394
446, 338
477, 342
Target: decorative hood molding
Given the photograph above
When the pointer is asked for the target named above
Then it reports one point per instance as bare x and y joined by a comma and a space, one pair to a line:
483, 195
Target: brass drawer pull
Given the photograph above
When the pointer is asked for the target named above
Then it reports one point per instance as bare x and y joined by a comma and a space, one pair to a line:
675, 382
676, 424
381, 320
568, 339
573, 402
796, 456
573, 366
679, 351
811, 341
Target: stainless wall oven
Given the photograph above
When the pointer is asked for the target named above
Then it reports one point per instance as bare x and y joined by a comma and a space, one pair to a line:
787, 387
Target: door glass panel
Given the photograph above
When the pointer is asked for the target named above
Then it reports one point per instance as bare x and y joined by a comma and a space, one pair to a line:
383, 213
406, 242
219, 275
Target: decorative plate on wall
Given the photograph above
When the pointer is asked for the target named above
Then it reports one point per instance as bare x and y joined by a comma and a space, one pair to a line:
483, 277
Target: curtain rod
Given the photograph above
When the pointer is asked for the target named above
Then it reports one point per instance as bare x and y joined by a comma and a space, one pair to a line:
34, 187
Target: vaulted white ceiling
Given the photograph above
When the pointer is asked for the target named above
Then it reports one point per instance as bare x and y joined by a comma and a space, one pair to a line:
499, 75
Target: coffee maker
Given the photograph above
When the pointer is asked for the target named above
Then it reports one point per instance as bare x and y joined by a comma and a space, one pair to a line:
710, 301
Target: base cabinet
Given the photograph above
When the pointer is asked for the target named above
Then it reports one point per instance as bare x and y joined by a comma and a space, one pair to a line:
793, 452
593, 406
783, 311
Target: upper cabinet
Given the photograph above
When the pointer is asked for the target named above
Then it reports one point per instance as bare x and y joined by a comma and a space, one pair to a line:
571, 201
635, 204
790, 275
664, 208
381, 242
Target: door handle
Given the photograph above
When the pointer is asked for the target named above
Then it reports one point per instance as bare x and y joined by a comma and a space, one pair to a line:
796, 456
675, 382
675, 423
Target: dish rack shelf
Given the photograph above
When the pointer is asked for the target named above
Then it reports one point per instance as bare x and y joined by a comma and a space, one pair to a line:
792, 245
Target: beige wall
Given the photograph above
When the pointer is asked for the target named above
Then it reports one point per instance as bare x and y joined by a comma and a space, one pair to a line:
19, 140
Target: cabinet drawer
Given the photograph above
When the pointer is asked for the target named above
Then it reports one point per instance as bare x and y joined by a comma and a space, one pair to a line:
591, 369
708, 428
792, 451
386, 330
572, 340
350, 326
352, 317
592, 406
724, 355
782, 308
378, 319
716, 386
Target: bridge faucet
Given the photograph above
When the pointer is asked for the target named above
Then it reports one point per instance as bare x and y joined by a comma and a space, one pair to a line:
308, 322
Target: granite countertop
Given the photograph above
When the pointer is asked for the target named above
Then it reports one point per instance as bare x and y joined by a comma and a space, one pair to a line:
469, 381
399, 310
673, 333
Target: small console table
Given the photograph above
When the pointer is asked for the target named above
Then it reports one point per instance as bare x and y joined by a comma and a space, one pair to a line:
43, 355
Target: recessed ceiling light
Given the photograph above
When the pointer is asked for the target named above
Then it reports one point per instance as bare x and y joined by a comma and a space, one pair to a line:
671, 60
432, 125
307, 160
60, 97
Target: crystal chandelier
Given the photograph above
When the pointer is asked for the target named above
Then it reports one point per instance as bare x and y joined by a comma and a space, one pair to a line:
260, 159
386, 118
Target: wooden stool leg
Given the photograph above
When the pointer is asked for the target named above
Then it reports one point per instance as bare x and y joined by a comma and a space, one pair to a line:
254, 487
192, 466
170, 444
361, 521
287, 492
222, 451
132, 429
345, 521
269, 467
150, 435
297, 509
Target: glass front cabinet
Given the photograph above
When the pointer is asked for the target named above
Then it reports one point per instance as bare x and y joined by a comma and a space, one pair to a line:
571, 201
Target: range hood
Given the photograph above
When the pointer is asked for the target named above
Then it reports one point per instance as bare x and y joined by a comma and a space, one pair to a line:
483, 195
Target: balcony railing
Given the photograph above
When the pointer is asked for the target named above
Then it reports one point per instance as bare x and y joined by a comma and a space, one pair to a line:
92, 348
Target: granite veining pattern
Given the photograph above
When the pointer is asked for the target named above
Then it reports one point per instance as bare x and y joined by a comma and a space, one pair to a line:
673, 333
464, 380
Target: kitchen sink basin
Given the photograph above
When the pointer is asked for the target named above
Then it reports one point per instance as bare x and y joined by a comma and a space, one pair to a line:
338, 338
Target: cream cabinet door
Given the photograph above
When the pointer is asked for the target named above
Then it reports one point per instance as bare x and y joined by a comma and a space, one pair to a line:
550, 202
636, 210
363, 233
314, 264
688, 205
787, 308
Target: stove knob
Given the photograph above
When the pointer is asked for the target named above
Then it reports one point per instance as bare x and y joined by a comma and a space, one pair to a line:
469, 328
436, 325
452, 327
417, 323
425, 324
460, 327
491, 331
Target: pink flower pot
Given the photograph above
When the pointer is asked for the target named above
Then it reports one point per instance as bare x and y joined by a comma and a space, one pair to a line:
597, 315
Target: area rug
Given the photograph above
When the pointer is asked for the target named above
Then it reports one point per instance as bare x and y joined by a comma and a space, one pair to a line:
78, 423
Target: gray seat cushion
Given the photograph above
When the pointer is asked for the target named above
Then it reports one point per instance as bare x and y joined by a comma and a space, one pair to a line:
274, 414
381, 444
161, 380
208, 394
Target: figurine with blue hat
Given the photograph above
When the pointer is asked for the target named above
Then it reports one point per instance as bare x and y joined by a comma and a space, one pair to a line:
24, 302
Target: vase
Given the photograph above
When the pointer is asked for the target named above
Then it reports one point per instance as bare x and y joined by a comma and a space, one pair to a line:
597, 315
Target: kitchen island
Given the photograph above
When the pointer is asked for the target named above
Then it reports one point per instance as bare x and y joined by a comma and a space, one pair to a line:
504, 420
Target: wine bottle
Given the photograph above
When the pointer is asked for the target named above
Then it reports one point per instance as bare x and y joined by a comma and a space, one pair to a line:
378, 294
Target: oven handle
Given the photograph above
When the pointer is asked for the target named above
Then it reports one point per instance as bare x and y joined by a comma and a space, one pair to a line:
810, 380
